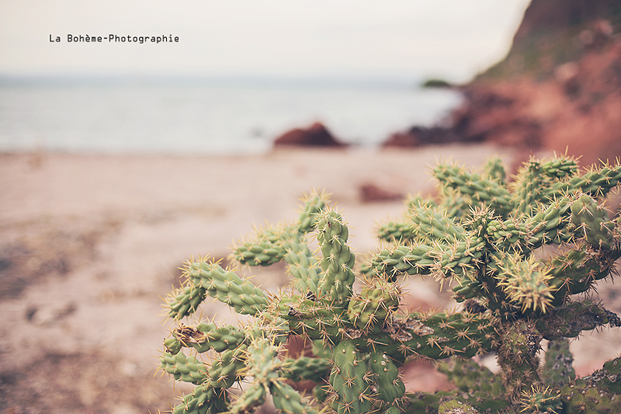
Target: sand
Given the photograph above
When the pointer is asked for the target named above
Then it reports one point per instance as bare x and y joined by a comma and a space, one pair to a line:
92, 243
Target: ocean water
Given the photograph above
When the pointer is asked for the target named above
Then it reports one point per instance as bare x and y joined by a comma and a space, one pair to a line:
204, 117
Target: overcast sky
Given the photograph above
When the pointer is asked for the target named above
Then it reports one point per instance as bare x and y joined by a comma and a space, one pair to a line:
294, 38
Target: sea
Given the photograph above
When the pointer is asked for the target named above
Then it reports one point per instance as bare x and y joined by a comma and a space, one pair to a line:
206, 116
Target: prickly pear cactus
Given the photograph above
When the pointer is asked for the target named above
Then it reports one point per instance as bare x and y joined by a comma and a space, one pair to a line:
482, 236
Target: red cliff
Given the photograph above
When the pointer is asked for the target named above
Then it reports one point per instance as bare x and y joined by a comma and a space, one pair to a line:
558, 88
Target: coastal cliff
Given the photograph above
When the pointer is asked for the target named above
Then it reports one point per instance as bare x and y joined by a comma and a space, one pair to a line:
558, 88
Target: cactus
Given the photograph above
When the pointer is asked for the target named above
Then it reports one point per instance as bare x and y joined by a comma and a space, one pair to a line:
558, 363
481, 237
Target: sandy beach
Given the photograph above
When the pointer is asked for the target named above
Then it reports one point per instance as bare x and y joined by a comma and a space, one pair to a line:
92, 243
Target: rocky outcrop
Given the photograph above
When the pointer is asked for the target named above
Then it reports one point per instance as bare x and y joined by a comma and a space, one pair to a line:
417, 135
371, 192
559, 87
316, 135
575, 107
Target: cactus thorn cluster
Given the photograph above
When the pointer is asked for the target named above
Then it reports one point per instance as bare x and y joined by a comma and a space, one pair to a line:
483, 236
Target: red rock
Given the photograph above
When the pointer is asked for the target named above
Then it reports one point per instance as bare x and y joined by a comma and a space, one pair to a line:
401, 139
371, 192
316, 135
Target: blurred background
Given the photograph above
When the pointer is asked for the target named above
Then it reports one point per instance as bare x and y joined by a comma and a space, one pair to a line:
119, 160
241, 74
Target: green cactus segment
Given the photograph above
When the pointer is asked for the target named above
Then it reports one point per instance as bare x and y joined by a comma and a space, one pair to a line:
540, 400
487, 192
437, 336
185, 301
306, 368
207, 336
303, 265
413, 201
467, 288
390, 388
569, 320
583, 399
610, 376
534, 180
560, 168
318, 319
348, 380
227, 287
597, 393
575, 271
455, 204
374, 304
593, 222
266, 369
225, 370
262, 365
596, 182
185, 368
558, 368
314, 203
262, 357
402, 230
249, 400
269, 245
203, 400
494, 170
471, 377
464, 334
396, 231
287, 400
441, 260
415, 259
210, 395
526, 283
441, 247
228, 368
259, 254
517, 358
321, 393
392, 410
338, 260
173, 345
483, 286
528, 187
459, 258
264, 250
527, 233
430, 225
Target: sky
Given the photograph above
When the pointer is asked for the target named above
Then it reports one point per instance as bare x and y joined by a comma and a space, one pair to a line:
450, 39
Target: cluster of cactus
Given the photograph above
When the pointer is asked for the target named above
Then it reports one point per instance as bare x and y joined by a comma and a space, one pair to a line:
521, 258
